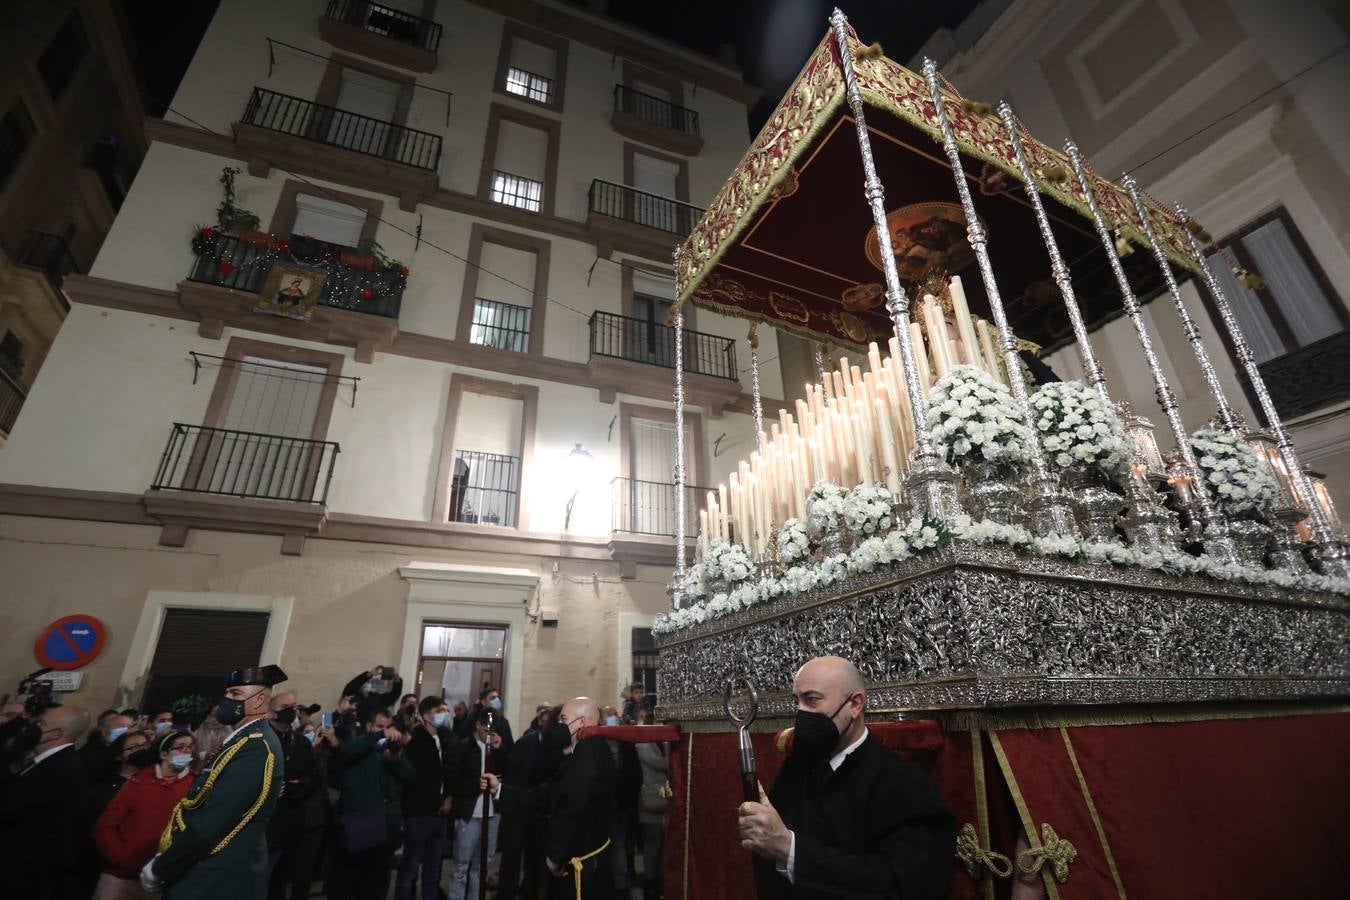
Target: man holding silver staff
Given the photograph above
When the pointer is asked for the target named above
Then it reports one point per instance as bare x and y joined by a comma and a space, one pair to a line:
847, 817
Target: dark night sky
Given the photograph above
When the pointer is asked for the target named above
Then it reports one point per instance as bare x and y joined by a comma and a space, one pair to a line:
772, 37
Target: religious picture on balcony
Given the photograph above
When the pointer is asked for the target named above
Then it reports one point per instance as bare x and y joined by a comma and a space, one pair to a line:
291, 291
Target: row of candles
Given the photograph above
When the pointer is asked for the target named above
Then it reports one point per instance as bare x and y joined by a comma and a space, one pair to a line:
854, 427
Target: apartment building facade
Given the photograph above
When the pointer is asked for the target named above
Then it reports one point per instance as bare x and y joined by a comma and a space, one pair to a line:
1234, 108
71, 139
415, 410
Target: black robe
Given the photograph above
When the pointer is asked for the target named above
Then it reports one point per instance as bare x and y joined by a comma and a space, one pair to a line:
579, 803
875, 828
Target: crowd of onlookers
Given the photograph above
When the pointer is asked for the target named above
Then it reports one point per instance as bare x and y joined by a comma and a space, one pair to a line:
384, 787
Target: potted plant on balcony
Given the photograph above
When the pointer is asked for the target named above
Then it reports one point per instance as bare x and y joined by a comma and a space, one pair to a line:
368, 255
243, 223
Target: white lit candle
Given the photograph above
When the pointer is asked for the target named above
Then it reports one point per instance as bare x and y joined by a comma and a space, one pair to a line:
888, 454
970, 351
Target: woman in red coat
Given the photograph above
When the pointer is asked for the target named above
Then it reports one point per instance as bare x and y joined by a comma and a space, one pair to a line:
127, 834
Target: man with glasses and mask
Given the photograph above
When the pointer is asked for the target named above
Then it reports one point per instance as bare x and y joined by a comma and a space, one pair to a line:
847, 817
292, 841
216, 842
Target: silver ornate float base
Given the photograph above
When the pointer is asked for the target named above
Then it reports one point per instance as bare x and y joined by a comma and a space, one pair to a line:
976, 626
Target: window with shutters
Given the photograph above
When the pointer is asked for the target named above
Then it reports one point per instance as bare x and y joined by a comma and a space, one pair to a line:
644, 492
502, 308
16, 131
520, 161
485, 482
59, 62
531, 66
197, 648
1293, 319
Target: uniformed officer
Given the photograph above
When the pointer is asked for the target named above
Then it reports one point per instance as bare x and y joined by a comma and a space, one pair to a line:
215, 845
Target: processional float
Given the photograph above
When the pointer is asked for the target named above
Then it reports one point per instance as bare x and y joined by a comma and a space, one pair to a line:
1093, 645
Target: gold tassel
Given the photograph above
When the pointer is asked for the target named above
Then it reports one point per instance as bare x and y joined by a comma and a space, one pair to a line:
1249, 279
871, 51
1194, 227
1055, 173
975, 107
1123, 247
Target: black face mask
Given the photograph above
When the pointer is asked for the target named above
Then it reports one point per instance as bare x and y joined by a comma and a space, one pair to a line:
815, 734
228, 711
145, 756
560, 736
285, 717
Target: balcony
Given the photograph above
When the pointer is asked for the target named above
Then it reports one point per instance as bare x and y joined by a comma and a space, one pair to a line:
49, 254
1307, 379
358, 307
624, 349
502, 326
485, 488
382, 32
241, 481
655, 121
625, 218
12, 396
648, 507
328, 142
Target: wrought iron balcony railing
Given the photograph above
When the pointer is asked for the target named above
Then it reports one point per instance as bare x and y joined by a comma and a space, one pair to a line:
48, 252
655, 110
648, 507
504, 326
340, 128
618, 201
11, 401
394, 24
485, 488
1307, 379
234, 264
233, 463
639, 340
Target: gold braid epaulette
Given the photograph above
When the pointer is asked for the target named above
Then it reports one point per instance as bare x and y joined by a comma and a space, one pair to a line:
176, 822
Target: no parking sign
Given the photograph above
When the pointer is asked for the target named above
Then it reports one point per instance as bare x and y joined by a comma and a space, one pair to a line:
70, 642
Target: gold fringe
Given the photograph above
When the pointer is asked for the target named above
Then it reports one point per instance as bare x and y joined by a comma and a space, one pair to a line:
1068, 717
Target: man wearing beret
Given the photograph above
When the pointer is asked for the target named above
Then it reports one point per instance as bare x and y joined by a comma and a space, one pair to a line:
215, 845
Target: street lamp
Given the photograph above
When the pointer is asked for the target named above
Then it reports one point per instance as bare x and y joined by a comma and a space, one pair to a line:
577, 463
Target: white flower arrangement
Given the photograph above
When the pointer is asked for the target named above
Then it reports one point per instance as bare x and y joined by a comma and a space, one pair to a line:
794, 544
974, 420
868, 510
694, 586
1079, 430
723, 561
825, 505
1232, 474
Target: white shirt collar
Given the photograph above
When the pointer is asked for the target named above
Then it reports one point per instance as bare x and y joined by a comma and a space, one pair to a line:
229, 737
49, 752
838, 759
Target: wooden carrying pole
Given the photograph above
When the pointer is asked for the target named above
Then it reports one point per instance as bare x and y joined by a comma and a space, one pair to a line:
487, 812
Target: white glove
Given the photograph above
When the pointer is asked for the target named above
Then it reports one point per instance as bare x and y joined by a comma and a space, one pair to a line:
149, 880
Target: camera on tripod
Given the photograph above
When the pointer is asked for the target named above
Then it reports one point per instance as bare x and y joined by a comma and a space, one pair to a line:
39, 691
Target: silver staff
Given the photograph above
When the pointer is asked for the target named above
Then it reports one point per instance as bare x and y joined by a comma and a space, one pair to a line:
1217, 542
1329, 551
756, 405
1049, 505
677, 589
1222, 408
1092, 370
931, 483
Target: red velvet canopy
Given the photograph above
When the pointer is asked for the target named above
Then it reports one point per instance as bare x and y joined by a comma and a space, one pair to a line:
789, 241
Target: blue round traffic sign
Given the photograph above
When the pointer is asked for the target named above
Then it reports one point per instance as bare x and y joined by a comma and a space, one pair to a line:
70, 642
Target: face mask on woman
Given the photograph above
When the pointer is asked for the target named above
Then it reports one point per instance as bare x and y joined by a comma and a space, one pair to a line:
180, 761
161, 727
495, 704
116, 733
311, 736
611, 720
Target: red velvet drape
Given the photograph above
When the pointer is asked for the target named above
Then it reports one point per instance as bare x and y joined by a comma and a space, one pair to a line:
1225, 808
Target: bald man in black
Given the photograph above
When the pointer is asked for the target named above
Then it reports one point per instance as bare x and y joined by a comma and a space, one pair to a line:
847, 817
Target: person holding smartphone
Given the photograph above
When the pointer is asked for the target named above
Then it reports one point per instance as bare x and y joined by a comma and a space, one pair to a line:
375, 689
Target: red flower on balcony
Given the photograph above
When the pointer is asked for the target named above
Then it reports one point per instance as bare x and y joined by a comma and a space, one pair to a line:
403, 270
367, 292
283, 246
207, 232
225, 267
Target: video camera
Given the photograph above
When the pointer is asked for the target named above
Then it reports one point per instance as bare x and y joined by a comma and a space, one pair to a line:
39, 691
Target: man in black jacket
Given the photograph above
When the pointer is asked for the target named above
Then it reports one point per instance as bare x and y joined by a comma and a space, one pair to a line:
579, 799
292, 843
847, 817
489, 699
40, 811
426, 801
483, 753
521, 839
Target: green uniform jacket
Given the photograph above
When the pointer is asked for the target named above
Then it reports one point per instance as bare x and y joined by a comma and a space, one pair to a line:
215, 845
